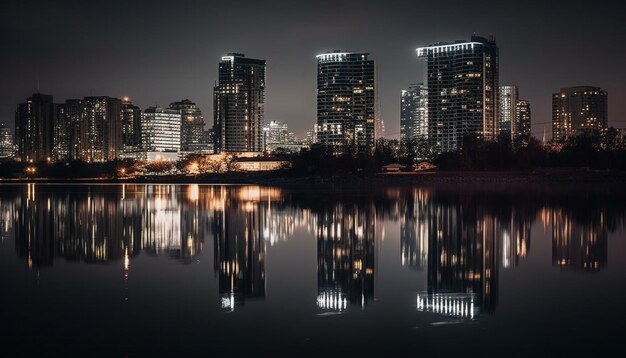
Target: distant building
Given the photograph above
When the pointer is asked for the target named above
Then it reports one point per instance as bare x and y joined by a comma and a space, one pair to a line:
311, 135
577, 110
34, 121
160, 131
414, 113
462, 91
509, 96
100, 137
277, 135
523, 121
7, 147
346, 101
131, 126
192, 126
239, 99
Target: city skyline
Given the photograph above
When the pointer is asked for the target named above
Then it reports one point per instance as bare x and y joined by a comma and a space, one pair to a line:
154, 76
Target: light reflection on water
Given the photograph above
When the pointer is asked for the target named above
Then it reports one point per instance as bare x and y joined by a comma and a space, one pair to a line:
457, 242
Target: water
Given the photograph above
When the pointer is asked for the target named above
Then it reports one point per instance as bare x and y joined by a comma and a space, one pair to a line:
193, 270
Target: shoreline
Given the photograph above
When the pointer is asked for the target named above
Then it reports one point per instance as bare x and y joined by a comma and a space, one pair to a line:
551, 176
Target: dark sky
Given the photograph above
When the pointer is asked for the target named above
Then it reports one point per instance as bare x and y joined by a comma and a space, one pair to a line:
158, 52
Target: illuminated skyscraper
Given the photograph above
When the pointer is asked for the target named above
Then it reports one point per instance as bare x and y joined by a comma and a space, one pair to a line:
414, 113
67, 129
346, 103
192, 126
577, 110
100, 137
462, 91
239, 101
7, 148
131, 126
523, 121
160, 133
509, 96
34, 123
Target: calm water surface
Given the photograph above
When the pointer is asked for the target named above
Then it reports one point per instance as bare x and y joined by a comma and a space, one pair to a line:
195, 270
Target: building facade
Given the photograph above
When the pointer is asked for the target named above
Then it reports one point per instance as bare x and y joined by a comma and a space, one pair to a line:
34, 121
578, 110
346, 106
7, 147
523, 122
160, 131
414, 113
67, 129
131, 126
239, 101
100, 137
463, 83
508, 123
192, 137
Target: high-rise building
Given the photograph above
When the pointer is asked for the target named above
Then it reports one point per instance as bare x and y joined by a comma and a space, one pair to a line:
509, 96
346, 103
100, 137
131, 126
523, 121
192, 126
414, 113
34, 121
160, 133
239, 99
577, 110
67, 128
462, 81
7, 148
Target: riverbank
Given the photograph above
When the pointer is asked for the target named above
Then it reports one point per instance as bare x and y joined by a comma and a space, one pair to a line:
546, 176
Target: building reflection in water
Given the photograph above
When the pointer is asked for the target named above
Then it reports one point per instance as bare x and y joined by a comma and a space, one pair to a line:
345, 256
578, 244
463, 239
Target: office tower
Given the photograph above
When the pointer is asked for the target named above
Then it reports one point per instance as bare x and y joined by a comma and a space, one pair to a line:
7, 149
160, 133
509, 96
100, 138
414, 113
192, 126
34, 122
238, 100
346, 101
131, 126
462, 81
67, 126
523, 122
578, 110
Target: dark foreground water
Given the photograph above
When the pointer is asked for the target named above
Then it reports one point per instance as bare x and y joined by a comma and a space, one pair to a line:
192, 270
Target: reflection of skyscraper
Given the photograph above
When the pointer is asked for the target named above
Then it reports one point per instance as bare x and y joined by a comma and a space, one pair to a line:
239, 252
414, 230
514, 234
578, 245
462, 261
345, 257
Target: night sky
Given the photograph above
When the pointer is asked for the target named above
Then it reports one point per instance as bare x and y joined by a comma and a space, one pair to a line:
159, 52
